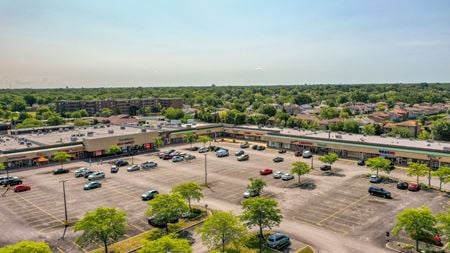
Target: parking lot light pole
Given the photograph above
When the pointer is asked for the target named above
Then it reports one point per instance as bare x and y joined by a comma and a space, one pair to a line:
206, 173
312, 162
66, 222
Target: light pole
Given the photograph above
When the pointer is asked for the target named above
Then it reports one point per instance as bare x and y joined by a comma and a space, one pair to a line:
206, 172
312, 162
66, 222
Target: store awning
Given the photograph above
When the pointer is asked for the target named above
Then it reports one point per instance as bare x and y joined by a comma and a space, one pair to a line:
42, 159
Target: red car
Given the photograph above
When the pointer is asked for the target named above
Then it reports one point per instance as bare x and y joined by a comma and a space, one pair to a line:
265, 172
413, 187
21, 188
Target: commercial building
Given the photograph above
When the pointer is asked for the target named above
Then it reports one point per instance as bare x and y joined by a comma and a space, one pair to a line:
36, 146
123, 106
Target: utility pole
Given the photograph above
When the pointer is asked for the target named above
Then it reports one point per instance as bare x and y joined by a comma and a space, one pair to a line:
206, 173
66, 222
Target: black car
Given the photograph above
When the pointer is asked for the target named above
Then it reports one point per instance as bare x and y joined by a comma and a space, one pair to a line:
391, 166
281, 151
325, 167
121, 163
402, 185
152, 221
11, 181
255, 147
244, 145
278, 159
60, 171
149, 195
361, 162
194, 148
260, 148
376, 191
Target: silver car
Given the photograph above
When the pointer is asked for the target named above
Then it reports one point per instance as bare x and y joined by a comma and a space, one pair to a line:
278, 174
149, 165
80, 172
287, 176
133, 168
96, 175
177, 159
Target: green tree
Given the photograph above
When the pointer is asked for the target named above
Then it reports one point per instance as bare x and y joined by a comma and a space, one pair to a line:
167, 243
300, 169
105, 112
329, 158
55, 120
379, 163
204, 139
267, 110
303, 98
158, 142
27, 247
167, 207
418, 223
261, 212
62, 157
189, 137
256, 185
417, 169
400, 131
443, 173
173, 113
351, 126
220, 229
81, 122
189, 191
369, 129
424, 135
18, 105
441, 129
103, 225
30, 99
443, 219
328, 113
30, 123
3, 167
114, 150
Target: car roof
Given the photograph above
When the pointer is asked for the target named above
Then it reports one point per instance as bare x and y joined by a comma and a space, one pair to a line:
277, 235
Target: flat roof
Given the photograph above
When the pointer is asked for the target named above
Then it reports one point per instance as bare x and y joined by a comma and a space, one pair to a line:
8, 142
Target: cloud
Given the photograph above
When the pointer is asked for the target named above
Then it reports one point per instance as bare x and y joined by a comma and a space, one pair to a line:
259, 68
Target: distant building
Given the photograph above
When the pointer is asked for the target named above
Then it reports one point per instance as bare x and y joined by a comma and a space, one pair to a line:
412, 126
122, 106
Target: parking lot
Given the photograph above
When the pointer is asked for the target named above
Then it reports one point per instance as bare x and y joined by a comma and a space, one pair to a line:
336, 201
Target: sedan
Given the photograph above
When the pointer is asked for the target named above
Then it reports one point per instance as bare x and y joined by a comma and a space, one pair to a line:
60, 171
133, 168
239, 152
361, 162
121, 163
92, 185
375, 179
255, 147
413, 187
264, 172
286, 177
244, 145
278, 174
114, 169
278, 159
21, 188
176, 159
250, 193
149, 195
325, 167
402, 185
281, 151
260, 148
87, 173
244, 157
96, 175
149, 165
79, 172
203, 150
189, 157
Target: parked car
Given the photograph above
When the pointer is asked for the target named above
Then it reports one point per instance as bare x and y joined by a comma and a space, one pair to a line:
244, 145
264, 172
5, 180
114, 169
166, 157
278, 241
189, 157
325, 167
307, 154
203, 150
402, 185
92, 185
281, 151
413, 187
376, 191
361, 162
278, 159
121, 163
194, 148
239, 152
21, 188
391, 166
260, 148
176, 159
87, 173
13, 181
286, 177
149, 195
298, 153
278, 174
79, 172
149, 165
152, 221
249, 193
243, 157
96, 175
432, 239
133, 168
222, 153
165, 153
375, 179
60, 171
255, 147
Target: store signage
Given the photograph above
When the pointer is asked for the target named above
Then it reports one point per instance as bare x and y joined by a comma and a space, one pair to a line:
98, 152
147, 145
125, 141
305, 143
386, 152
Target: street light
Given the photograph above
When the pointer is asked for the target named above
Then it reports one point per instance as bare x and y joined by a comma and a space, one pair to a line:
312, 162
66, 222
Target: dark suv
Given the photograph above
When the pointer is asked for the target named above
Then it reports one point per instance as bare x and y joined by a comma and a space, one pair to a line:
120, 163
60, 171
379, 192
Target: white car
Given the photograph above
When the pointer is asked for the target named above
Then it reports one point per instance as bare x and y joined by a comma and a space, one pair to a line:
248, 193
203, 150
278, 174
96, 175
133, 168
177, 159
149, 165
287, 176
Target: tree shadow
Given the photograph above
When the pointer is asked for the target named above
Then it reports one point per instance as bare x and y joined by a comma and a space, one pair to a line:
333, 174
306, 184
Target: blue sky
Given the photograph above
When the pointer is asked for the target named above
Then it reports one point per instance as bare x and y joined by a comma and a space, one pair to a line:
129, 43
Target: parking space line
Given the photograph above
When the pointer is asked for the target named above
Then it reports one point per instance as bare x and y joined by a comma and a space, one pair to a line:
136, 227
343, 209
49, 214
78, 246
60, 250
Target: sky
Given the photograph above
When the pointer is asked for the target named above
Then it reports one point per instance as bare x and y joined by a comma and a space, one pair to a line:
92, 43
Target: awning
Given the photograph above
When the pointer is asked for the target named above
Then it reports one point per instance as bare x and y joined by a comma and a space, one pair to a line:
42, 159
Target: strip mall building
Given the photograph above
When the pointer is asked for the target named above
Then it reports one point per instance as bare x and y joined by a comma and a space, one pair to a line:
401, 151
